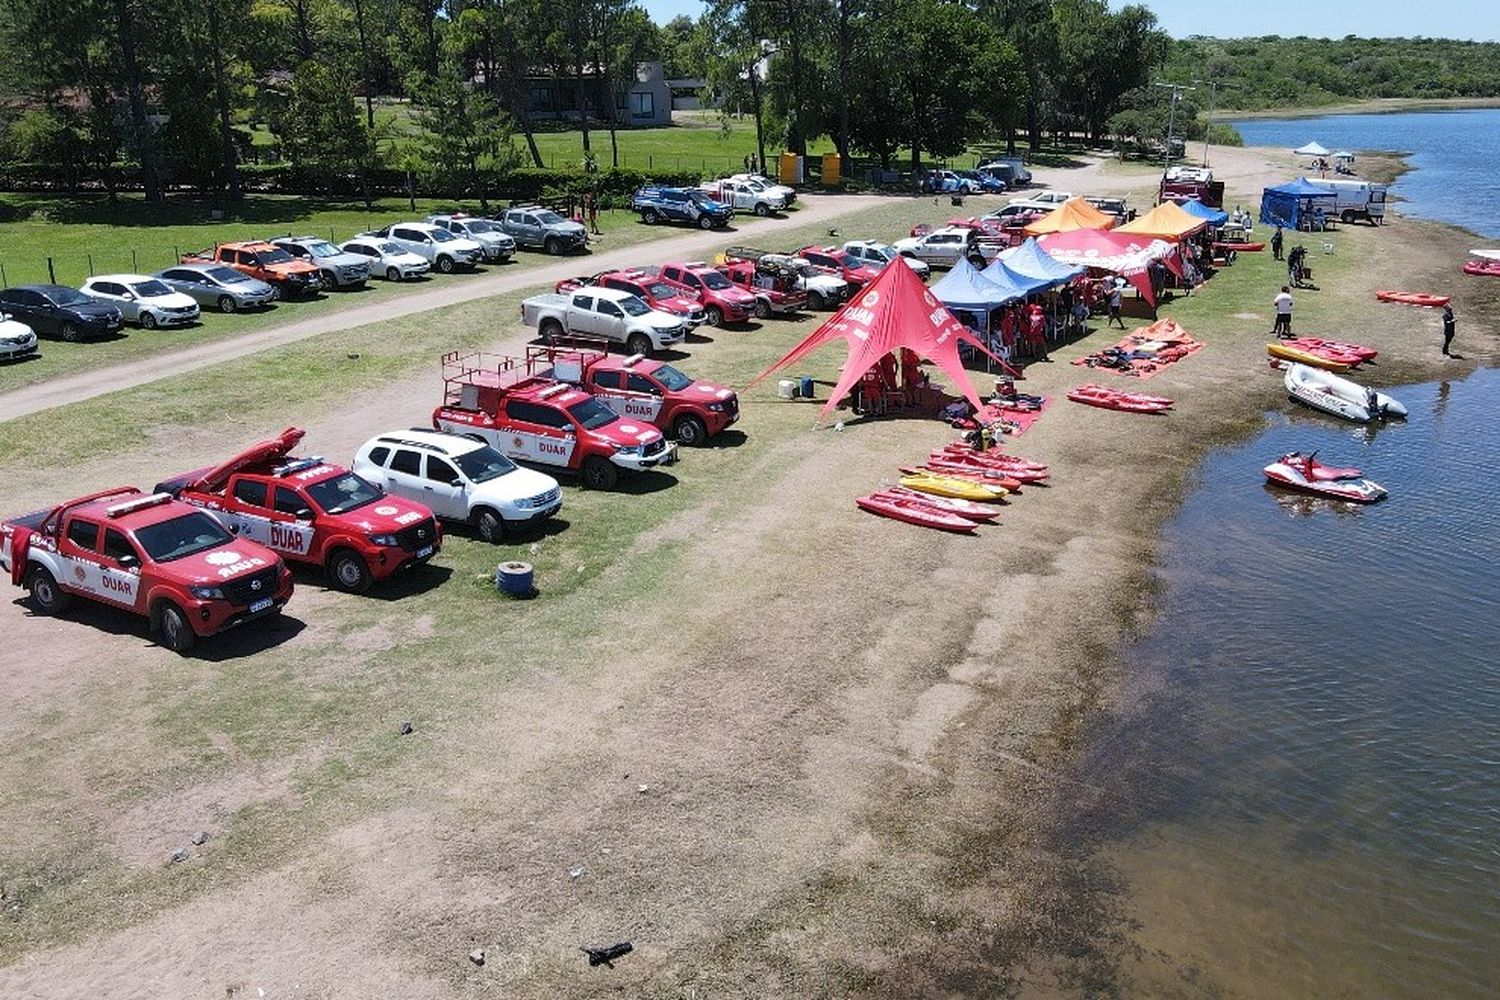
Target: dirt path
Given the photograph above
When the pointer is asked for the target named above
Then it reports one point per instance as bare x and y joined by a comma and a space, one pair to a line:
689, 244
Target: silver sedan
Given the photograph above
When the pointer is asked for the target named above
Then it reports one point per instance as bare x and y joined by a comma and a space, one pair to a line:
217, 286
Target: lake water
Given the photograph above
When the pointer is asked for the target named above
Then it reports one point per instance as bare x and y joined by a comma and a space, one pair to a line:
1456, 153
1302, 786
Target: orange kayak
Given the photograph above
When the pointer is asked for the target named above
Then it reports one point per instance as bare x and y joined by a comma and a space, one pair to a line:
1425, 299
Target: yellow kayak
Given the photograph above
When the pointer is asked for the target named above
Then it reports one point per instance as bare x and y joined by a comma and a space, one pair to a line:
1305, 357
952, 486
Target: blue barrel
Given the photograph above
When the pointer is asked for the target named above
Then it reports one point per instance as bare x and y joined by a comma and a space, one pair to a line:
806, 388
514, 579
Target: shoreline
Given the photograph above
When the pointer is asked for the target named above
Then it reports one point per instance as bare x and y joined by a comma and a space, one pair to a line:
853, 759
1376, 106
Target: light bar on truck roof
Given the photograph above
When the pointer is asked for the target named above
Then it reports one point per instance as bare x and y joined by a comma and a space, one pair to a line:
139, 503
553, 390
633, 359
297, 465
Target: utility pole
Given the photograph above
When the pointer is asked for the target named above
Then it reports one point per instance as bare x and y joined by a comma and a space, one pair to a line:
1176, 89
1213, 96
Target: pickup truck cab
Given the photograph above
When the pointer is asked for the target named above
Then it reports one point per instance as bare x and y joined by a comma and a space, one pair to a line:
312, 512
498, 247
943, 247
606, 313
440, 248
824, 287
638, 388
265, 262
460, 478
59, 311
336, 268
778, 287
841, 262
743, 195
664, 204
147, 554
657, 292
530, 417
877, 255
536, 228
723, 301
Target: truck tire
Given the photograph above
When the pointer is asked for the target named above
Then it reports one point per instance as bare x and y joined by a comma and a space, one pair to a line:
715, 316
649, 216
392, 274
69, 332
1347, 218
226, 304
638, 343
329, 279
762, 209
46, 596
445, 263
551, 331
705, 222
348, 572
148, 321
691, 432
815, 301
553, 246
762, 308
599, 473
489, 526
176, 634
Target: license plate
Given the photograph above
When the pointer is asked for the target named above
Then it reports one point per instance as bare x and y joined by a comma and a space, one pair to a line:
262, 604
424, 552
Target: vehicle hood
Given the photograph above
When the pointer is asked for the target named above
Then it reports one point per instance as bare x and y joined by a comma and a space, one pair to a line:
95, 310
658, 318
628, 432
500, 238
12, 330
865, 273
461, 243
384, 516
908, 243
252, 287
567, 229
230, 561
174, 300
824, 282
520, 484
404, 259
293, 267
705, 392
682, 304
737, 294
345, 260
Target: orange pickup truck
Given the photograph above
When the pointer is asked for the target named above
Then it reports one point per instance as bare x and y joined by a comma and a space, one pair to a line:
288, 275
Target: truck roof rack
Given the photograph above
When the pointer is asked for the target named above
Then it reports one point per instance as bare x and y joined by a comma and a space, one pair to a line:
139, 503
297, 465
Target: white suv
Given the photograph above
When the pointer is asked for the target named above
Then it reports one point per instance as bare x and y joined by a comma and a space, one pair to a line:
877, 255
386, 258
434, 244
460, 478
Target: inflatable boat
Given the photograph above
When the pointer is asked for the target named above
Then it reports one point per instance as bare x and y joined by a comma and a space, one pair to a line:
1304, 472
1119, 399
1339, 396
1426, 299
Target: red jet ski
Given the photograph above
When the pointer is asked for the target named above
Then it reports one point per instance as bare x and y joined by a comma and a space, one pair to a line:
1314, 344
914, 512
1119, 399
1306, 473
1426, 299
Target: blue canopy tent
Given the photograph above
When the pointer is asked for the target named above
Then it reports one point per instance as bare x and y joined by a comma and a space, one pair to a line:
1030, 262
1213, 216
1287, 204
973, 296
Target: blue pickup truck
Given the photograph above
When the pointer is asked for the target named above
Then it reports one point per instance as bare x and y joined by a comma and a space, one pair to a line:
665, 204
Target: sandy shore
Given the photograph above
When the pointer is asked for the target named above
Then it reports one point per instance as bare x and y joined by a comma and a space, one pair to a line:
1384, 105
787, 748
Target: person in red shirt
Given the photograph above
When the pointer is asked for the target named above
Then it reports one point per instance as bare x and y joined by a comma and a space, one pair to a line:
1036, 329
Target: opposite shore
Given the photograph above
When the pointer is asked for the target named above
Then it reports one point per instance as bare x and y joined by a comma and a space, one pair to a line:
1375, 106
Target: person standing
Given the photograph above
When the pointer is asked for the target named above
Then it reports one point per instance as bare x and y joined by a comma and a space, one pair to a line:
1115, 297
1276, 243
1450, 326
1283, 304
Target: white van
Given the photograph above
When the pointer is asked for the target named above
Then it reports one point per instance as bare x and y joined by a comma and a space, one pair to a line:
1356, 199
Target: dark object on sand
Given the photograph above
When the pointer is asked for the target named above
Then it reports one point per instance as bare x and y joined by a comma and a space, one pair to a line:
607, 956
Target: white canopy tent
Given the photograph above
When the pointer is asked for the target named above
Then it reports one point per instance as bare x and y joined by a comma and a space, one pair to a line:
1311, 149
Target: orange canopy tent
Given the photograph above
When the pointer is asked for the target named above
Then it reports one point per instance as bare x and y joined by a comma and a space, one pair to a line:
1167, 221
894, 311
1075, 213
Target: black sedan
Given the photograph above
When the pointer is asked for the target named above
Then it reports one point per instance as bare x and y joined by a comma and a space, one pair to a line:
59, 311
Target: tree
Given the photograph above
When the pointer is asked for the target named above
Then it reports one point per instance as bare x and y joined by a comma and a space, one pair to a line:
736, 67
464, 130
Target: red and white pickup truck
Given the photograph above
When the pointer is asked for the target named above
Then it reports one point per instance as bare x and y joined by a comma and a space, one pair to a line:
639, 388
313, 512
147, 554
510, 405
723, 301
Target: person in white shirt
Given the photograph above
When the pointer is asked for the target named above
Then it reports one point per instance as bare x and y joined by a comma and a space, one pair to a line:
1283, 304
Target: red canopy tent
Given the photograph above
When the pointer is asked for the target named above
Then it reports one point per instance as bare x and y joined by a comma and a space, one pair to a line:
894, 311
1125, 254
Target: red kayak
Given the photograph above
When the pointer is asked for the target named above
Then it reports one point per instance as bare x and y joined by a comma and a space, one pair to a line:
913, 512
1240, 247
950, 505
1483, 268
1119, 399
1425, 299
1313, 344
974, 473
1025, 472
994, 455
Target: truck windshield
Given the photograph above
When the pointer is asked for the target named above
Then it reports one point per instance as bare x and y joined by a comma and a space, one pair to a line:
181, 536
661, 290
342, 493
672, 379
592, 414
442, 236
714, 280
480, 226
633, 306
277, 256
483, 464
226, 275
321, 249
550, 218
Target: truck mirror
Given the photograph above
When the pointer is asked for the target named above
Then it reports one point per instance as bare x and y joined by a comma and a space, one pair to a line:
129, 561
304, 514
457, 482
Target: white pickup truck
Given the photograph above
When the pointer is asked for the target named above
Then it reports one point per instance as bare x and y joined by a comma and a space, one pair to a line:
603, 312
745, 195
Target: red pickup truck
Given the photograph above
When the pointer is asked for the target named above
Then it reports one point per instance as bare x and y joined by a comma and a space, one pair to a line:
775, 287
147, 554
312, 512
723, 301
511, 405
840, 262
639, 388
290, 276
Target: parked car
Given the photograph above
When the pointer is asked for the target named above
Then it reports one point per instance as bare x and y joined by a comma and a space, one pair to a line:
336, 269
536, 419
498, 246
387, 259
778, 287
290, 277
723, 301
1011, 169
657, 292
1044, 200
668, 204
145, 301
949, 182
218, 286
788, 194
59, 311
147, 554
985, 183
878, 255
434, 244
460, 478
943, 247
536, 228
751, 196
17, 340
604, 312
312, 512
841, 262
